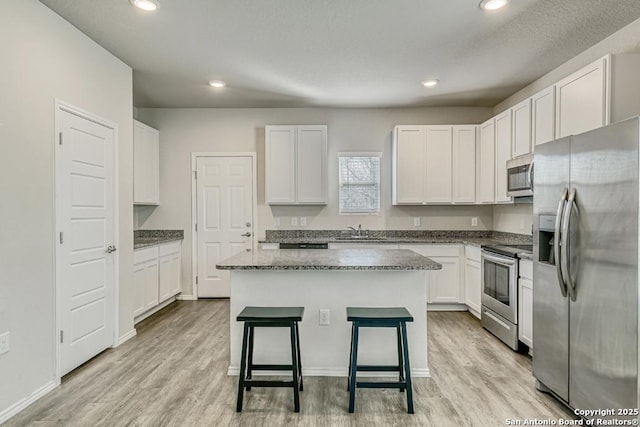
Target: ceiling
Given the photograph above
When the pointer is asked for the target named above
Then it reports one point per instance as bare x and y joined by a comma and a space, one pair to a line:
341, 53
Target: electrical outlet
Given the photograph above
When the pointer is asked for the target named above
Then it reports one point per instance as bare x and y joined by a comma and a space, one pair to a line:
303, 221
276, 222
474, 221
294, 221
416, 221
325, 316
4, 343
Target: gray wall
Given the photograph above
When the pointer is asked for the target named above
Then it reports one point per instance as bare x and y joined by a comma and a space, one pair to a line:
44, 58
183, 131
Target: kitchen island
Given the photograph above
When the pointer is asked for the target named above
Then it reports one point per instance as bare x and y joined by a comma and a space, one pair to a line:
330, 280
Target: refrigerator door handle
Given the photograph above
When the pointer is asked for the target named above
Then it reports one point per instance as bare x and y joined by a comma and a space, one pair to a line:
556, 242
564, 260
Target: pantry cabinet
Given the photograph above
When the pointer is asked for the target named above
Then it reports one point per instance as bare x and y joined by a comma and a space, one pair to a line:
146, 164
296, 165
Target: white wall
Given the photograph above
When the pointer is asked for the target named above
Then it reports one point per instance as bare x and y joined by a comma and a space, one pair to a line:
43, 58
183, 131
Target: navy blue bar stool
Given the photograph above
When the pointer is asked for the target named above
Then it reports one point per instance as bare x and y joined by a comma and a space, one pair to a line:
260, 317
380, 317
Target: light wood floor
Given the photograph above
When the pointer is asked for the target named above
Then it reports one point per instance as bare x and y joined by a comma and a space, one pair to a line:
173, 373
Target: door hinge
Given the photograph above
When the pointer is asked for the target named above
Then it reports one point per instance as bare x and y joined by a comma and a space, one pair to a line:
195, 174
61, 237
196, 280
61, 337
60, 138
196, 228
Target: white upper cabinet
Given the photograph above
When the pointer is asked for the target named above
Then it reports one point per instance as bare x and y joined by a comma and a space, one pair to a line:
521, 129
439, 164
503, 154
146, 164
464, 164
486, 163
543, 116
409, 164
296, 165
433, 164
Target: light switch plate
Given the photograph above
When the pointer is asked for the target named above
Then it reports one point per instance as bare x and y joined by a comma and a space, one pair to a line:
324, 316
303, 221
474, 221
416, 221
294, 221
4, 343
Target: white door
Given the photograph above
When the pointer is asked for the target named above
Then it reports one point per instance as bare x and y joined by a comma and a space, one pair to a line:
438, 164
224, 200
85, 278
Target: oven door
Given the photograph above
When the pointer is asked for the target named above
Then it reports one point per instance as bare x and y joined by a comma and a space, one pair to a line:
499, 285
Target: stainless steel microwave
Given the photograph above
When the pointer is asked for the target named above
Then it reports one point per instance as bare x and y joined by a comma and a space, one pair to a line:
520, 176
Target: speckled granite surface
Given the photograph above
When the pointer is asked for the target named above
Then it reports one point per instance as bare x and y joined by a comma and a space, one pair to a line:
476, 238
324, 259
144, 238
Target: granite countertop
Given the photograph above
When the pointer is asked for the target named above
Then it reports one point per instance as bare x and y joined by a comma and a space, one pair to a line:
475, 238
145, 238
329, 259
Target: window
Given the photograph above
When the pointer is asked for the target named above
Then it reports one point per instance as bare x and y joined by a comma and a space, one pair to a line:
359, 182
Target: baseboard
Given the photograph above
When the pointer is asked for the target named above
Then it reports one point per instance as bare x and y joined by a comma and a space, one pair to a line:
332, 372
186, 297
126, 337
24, 403
446, 307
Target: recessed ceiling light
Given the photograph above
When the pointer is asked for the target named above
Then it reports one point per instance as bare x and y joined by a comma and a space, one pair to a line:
217, 83
430, 83
493, 4
146, 5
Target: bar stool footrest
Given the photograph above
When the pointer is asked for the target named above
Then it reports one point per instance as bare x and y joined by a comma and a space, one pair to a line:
378, 368
263, 367
380, 384
269, 383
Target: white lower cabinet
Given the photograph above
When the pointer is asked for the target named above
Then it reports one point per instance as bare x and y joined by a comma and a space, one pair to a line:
472, 280
444, 285
525, 303
362, 246
156, 277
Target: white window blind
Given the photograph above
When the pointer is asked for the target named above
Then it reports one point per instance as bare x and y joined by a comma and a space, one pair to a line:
359, 182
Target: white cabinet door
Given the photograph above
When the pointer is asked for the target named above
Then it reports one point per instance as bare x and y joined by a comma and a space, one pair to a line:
280, 158
486, 163
409, 165
151, 295
362, 246
438, 164
464, 164
503, 154
311, 164
525, 312
581, 103
146, 164
543, 108
521, 128
139, 288
169, 280
472, 286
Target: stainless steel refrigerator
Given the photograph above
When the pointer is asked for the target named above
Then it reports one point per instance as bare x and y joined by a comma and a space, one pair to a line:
585, 292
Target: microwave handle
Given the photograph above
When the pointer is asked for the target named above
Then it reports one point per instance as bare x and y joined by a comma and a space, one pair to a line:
530, 173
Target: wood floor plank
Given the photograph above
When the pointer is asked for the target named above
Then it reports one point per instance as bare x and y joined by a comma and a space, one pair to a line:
174, 373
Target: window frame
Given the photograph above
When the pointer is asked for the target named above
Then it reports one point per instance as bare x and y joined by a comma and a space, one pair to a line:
378, 184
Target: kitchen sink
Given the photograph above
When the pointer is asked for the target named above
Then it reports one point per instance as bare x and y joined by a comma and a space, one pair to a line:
360, 238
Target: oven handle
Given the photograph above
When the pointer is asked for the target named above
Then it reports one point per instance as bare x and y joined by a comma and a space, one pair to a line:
566, 219
556, 242
506, 261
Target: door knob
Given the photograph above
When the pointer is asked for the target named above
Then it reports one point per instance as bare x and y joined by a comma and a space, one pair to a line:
110, 249
247, 234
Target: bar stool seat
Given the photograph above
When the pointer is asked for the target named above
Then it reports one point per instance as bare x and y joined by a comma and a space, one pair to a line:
380, 317
255, 317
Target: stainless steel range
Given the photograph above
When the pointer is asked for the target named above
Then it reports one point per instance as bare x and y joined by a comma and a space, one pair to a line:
500, 291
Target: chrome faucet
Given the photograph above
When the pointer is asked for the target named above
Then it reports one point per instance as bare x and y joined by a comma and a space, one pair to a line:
357, 232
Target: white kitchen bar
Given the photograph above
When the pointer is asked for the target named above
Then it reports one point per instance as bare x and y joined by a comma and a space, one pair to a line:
333, 280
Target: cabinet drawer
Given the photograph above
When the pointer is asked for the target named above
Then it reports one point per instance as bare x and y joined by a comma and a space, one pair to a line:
526, 269
169, 248
145, 254
441, 250
472, 253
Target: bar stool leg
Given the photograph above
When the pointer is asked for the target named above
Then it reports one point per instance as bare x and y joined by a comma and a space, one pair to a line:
243, 362
354, 368
294, 367
400, 361
299, 357
250, 356
407, 367
350, 356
